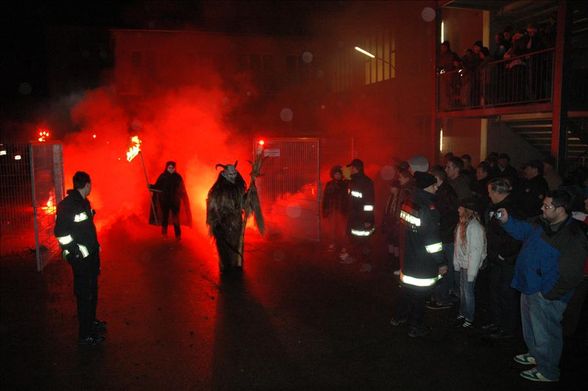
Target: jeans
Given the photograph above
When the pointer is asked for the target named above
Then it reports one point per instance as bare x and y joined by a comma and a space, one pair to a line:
542, 331
448, 283
467, 298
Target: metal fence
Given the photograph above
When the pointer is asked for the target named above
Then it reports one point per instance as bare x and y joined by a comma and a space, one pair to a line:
31, 177
523, 79
289, 188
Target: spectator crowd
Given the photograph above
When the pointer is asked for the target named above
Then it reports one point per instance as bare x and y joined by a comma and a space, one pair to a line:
456, 233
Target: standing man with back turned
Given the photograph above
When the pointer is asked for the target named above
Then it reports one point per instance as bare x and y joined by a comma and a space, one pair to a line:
76, 233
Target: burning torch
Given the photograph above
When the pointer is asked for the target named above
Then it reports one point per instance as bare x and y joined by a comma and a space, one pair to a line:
134, 150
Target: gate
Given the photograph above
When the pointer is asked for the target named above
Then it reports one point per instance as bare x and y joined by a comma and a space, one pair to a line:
31, 179
289, 188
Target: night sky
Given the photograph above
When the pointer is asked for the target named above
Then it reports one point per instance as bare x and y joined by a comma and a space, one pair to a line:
29, 39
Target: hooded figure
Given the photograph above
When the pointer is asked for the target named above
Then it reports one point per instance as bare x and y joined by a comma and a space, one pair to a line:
227, 207
170, 198
334, 207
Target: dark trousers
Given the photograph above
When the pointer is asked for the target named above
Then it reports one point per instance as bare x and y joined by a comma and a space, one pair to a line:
504, 300
411, 305
175, 212
85, 275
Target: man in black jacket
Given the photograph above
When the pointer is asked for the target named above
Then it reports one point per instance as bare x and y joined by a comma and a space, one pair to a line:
533, 189
423, 261
360, 224
76, 233
502, 253
447, 204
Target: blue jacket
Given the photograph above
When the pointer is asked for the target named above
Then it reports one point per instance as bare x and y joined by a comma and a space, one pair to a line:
548, 260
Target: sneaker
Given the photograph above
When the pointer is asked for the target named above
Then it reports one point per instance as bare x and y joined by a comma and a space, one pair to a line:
99, 326
439, 306
459, 320
397, 322
92, 340
525, 359
467, 324
417, 332
535, 375
397, 272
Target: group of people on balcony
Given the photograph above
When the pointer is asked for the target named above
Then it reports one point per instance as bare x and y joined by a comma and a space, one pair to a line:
518, 70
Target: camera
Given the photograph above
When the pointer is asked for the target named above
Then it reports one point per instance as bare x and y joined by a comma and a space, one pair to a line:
498, 214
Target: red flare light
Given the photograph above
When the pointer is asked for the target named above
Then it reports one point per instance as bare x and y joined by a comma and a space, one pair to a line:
261, 142
43, 135
134, 149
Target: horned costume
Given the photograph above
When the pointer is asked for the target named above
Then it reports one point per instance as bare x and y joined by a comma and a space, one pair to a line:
228, 207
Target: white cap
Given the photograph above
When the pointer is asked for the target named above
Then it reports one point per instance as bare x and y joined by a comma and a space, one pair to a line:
418, 163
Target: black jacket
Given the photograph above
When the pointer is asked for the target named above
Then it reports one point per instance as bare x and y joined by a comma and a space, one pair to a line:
74, 227
531, 194
422, 247
501, 247
335, 197
446, 203
361, 204
171, 187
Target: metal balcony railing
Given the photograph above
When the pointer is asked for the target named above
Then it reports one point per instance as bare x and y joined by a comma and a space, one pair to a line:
517, 80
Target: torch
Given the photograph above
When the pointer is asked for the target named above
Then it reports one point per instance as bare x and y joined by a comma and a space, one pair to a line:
134, 150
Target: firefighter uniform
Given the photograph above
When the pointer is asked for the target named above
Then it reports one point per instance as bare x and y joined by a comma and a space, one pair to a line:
422, 255
360, 223
76, 233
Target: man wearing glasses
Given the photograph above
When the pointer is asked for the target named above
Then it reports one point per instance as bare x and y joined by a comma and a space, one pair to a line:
548, 269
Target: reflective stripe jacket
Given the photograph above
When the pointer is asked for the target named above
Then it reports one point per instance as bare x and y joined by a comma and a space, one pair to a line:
423, 250
362, 203
74, 225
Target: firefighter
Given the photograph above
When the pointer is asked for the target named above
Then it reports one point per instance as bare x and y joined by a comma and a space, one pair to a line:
76, 233
423, 262
360, 223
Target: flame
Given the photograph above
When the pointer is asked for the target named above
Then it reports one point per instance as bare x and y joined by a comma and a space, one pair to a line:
50, 207
43, 135
134, 149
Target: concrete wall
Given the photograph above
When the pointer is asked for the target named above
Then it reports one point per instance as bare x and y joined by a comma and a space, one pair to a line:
502, 139
463, 27
461, 136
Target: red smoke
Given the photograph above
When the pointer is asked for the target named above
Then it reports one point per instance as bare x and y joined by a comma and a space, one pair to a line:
184, 125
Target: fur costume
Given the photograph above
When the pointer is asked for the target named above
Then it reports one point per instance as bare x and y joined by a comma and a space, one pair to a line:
228, 207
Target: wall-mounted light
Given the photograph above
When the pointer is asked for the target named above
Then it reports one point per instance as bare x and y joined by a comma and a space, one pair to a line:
364, 52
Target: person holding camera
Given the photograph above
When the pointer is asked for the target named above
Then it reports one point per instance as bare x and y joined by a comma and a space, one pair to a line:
548, 269
76, 234
502, 252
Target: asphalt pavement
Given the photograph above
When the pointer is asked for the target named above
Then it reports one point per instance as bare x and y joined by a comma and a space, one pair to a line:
295, 319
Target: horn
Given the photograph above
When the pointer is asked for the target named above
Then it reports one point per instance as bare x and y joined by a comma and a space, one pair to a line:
220, 165
236, 161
